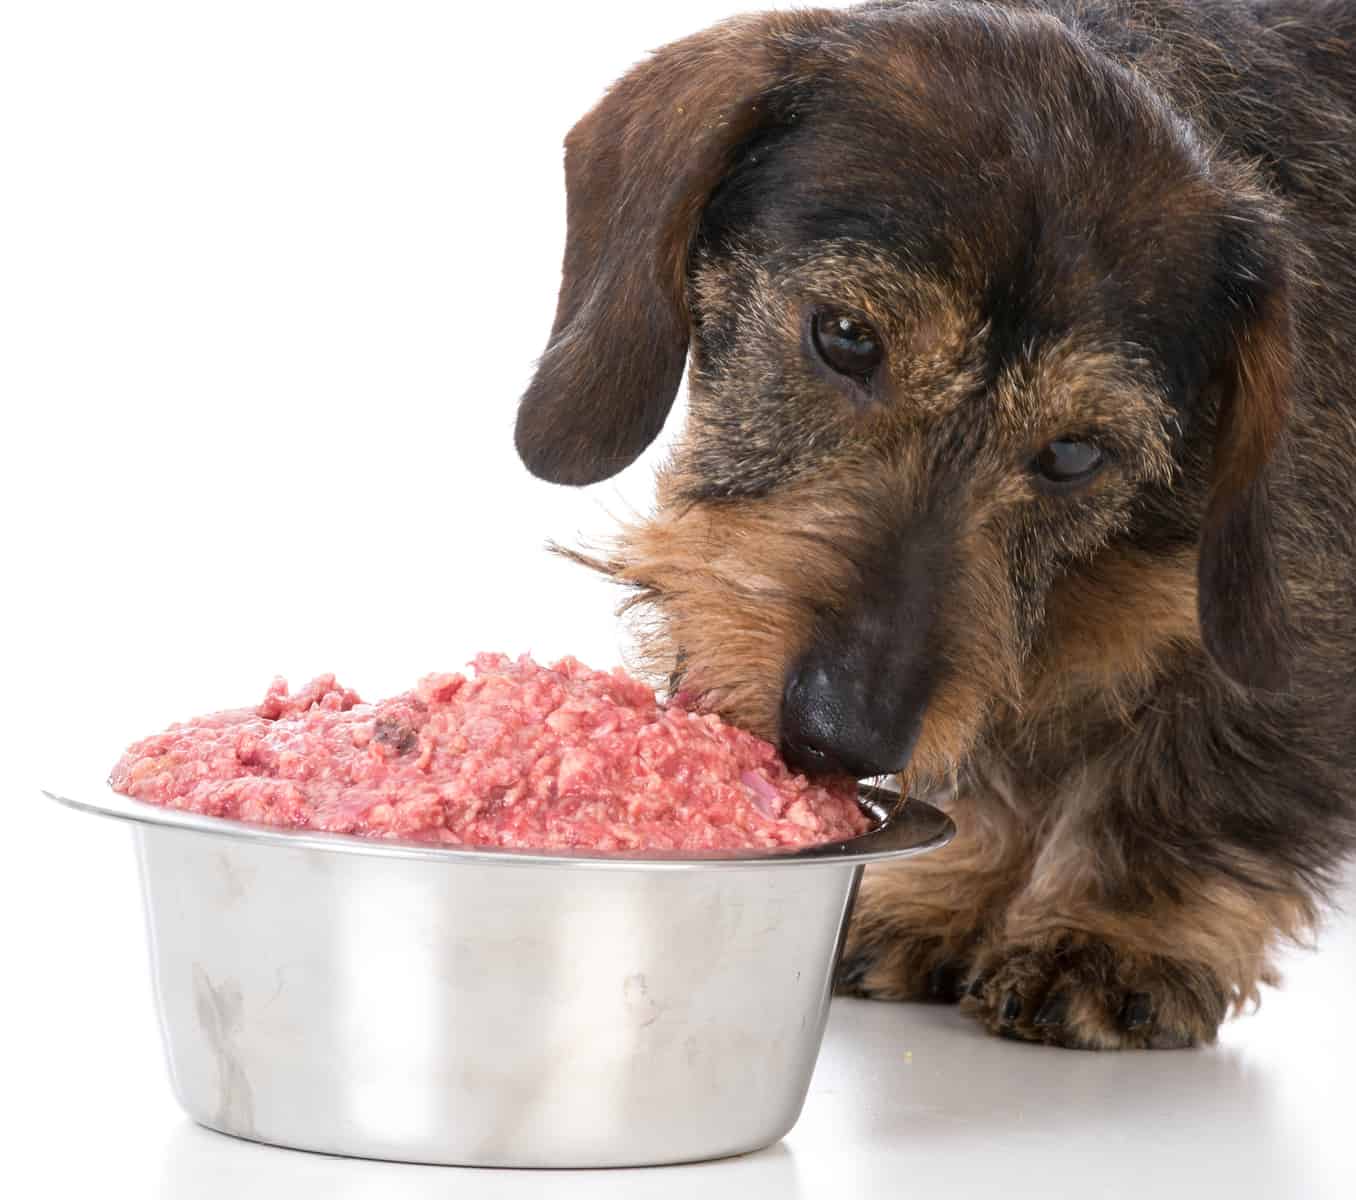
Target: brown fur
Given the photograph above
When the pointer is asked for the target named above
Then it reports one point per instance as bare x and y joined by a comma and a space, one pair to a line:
1110, 633
1124, 221
730, 586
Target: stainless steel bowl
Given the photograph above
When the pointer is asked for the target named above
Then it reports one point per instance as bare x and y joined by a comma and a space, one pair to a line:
496, 1008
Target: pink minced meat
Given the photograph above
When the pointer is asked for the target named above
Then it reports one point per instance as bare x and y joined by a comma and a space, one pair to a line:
519, 756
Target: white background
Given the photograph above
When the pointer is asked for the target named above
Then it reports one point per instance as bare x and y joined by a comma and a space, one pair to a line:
272, 276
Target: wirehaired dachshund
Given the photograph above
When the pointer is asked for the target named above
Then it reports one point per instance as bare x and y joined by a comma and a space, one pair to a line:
1020, 463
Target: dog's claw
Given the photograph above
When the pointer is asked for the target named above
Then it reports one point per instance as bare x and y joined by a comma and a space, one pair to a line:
946, 982
852, 972
1012, 1008
977, 984
1053, 1011
1137, 1011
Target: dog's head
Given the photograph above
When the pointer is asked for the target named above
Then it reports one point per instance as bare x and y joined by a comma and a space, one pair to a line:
990, 359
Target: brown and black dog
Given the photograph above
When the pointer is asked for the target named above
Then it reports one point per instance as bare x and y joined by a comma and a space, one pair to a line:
1021, 457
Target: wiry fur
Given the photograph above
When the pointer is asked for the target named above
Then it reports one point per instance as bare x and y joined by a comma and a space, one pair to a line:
1133, 220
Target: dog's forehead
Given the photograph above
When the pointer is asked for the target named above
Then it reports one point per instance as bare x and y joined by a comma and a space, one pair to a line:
1012, 183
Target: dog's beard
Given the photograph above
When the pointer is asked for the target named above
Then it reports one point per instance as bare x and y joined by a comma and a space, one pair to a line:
719, 636
721, 600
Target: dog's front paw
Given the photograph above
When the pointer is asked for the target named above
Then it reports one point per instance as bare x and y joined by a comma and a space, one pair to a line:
902, 967
899, 949
1081, 991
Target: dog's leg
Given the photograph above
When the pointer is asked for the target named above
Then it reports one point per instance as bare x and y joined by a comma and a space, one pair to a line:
917, 927
1097, 953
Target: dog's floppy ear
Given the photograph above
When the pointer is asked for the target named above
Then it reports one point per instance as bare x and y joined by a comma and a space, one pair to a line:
1241, 596
639, 169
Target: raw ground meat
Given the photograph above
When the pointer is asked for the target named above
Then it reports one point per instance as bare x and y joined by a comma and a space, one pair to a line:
520, 755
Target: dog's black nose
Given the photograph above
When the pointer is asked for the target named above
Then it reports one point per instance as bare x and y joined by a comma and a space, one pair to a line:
835, 721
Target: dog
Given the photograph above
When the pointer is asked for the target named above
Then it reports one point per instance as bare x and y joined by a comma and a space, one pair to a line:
1018, 464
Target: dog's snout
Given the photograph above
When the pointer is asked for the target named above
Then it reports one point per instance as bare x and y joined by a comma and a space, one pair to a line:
832, 723
854, 701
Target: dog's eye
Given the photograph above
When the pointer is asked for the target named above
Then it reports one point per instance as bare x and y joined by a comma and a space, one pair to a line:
846, 344
1066, 462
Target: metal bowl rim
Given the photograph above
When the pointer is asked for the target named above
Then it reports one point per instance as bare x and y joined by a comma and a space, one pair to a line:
913, 827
